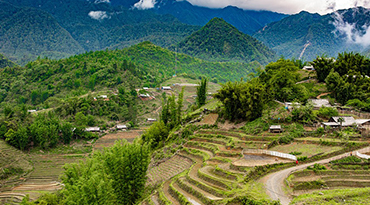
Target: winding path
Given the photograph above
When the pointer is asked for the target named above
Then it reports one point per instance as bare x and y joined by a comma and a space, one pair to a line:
274, 183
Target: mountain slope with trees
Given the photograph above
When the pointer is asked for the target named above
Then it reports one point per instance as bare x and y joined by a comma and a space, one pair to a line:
27, 33
289, 36
220, 41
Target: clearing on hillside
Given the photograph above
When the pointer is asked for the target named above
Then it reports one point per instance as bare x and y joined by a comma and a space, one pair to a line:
109, 139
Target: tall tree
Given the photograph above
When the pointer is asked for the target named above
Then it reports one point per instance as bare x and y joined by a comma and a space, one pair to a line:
202, 92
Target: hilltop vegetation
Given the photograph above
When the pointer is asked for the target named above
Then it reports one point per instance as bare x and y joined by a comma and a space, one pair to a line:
220, 41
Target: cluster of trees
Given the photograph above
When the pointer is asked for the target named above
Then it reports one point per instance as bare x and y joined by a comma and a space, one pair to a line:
115, 176
21, 129
280, 78
242, 100
347, 78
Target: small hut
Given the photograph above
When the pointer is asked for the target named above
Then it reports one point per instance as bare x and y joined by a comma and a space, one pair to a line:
121, 127
276, 129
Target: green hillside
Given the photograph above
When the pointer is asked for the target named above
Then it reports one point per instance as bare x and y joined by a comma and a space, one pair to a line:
4, 62
144, 64
220, 41
27, 33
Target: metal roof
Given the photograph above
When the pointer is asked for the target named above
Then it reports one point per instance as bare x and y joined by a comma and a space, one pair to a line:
274, 127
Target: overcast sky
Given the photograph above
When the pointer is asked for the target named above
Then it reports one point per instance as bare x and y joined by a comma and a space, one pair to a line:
285, 6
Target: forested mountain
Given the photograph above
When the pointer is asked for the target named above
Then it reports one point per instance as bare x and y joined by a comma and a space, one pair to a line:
244, 20
27, 33
316, 35
220, 41
87, 24
4, 62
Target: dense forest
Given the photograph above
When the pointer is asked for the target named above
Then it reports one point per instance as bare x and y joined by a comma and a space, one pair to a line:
220, 41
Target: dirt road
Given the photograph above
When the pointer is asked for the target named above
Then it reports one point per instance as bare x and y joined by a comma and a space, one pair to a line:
274, 183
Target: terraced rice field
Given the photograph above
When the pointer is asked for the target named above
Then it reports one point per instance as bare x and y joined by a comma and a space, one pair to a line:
42, 171
214, 175
168, 169
336, 176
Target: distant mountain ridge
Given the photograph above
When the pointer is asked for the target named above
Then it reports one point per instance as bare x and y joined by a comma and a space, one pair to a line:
220, 41
310, 35
247, 21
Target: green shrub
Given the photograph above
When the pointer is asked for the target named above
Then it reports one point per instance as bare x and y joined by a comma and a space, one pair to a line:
295, 153
302, 159
350, 159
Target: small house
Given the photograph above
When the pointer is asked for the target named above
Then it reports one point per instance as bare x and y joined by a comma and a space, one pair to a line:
144, 95
276, 129
166, 88
145, 88
103, 96
121, 127
151, 120
92, 129
31, 111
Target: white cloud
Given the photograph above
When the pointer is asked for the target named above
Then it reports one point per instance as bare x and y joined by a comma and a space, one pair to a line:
98, 15
145, 4
285, 6
101, 1
350, 32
